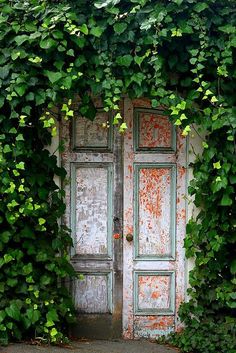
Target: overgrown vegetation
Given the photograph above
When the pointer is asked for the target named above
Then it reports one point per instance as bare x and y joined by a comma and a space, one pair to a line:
179, 53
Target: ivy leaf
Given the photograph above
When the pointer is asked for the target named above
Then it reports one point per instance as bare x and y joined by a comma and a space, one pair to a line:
47, 43
84, 29
201, 6
53, 332
233, 267
226, 200
124, 60
5, 236
52, 315
217, 165
41, 221
228, 29
120, 27
58, 34
101, 3
7, 149
21, 39
13, 311
96, 31
53, 76
33, 315
20, 165
80, 60
154, 103
19, 137
70, 52
4, 71
123, 127
21, 89
147, 24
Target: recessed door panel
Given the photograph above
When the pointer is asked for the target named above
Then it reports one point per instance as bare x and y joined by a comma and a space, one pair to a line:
92, 208
95, 134
93, 293
153, 131
154, 210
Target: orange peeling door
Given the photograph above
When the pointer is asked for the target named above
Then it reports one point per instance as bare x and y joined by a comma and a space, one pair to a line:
154, 222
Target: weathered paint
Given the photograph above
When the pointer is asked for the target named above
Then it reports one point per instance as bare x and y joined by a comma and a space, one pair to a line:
91, 207
154, 292
154, 169
153, 211
92, 134
96, 296
153, 326
93, 200
155, 130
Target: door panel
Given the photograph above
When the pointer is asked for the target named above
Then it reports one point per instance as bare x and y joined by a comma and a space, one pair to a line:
154, 212
153, 131
92, 197
93, 200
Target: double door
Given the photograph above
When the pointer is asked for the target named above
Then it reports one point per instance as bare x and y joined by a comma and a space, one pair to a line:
125, 200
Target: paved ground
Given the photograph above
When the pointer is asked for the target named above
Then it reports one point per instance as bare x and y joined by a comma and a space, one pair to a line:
118, 346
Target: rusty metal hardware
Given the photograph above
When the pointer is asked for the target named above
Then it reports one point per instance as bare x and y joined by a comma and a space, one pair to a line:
116, 236
129, 237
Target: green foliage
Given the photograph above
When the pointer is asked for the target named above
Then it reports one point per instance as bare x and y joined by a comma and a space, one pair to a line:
180, 54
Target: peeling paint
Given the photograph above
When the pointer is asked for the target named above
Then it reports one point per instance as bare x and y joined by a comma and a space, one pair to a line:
91, 210
94, 298
148, 301
154, 191
153, 326
155, 130
89, 133
154, 211
154, 292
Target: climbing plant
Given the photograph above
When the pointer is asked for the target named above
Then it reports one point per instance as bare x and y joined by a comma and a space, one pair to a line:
180, 54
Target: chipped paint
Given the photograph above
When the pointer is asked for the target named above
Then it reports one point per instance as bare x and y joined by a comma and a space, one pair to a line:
153, 278
95, 294
156, 188
93, 200
91, 134
154, 292
91, 210
154, 233
155, 130
153, 326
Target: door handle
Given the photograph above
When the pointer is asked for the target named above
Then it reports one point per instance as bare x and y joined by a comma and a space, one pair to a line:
129, 237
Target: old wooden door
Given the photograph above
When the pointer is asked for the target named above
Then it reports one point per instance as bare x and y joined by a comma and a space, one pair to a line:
154, 213
126, 195
93, 162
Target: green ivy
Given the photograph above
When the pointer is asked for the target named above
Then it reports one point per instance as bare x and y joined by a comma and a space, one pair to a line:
178, 53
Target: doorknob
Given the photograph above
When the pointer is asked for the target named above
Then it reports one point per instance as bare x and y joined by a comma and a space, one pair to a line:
129, 237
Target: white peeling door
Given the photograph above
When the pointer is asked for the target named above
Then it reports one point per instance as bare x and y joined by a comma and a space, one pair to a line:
93, 161
154, 217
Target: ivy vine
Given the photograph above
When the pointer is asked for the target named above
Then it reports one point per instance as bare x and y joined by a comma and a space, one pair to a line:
180, 54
